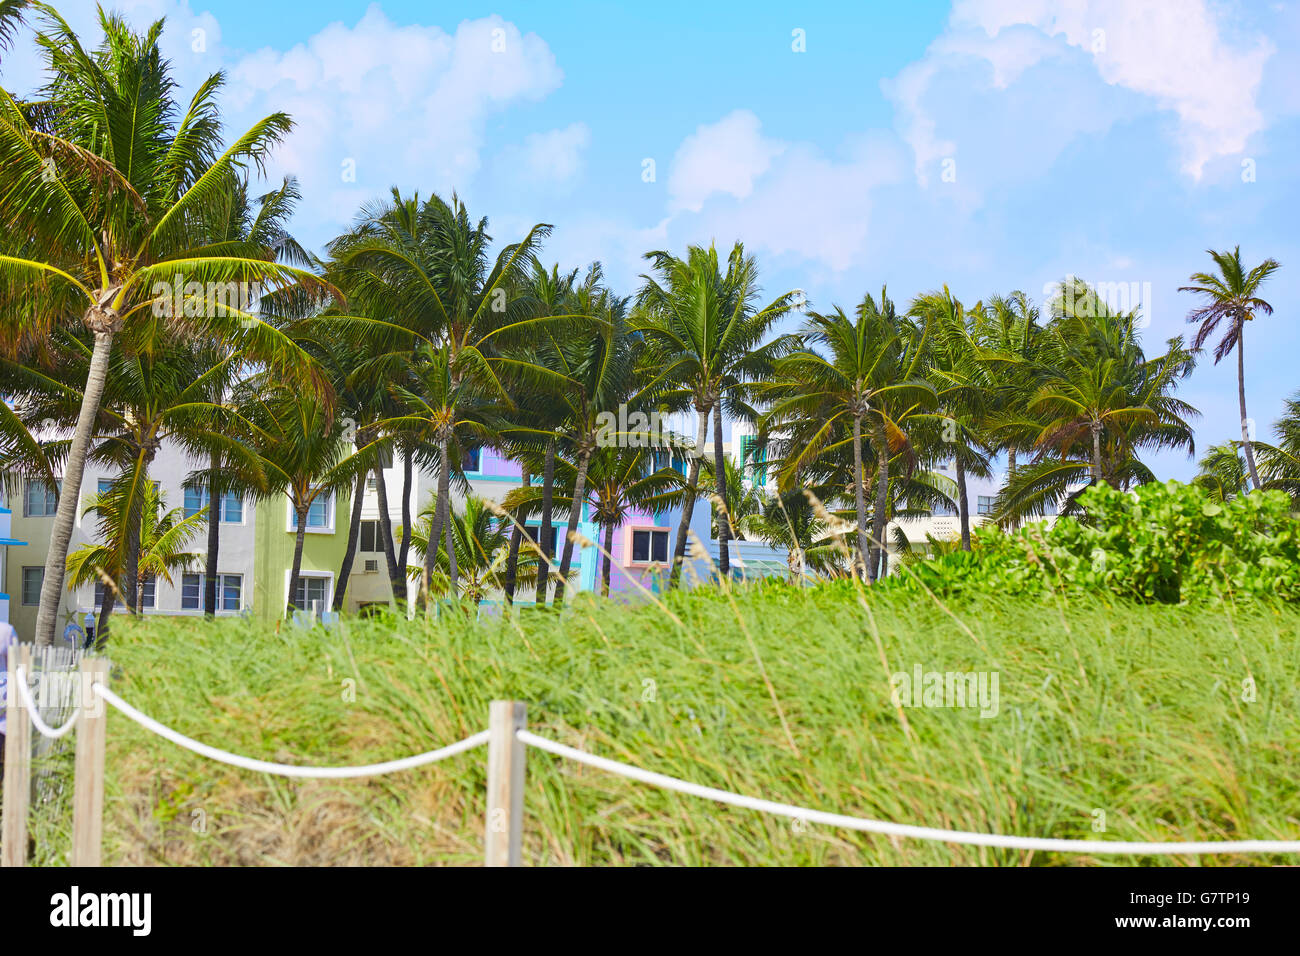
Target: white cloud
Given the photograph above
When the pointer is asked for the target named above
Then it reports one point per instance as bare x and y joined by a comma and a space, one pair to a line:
722, 157
396, 104
553, 157
729, 182
1174, 53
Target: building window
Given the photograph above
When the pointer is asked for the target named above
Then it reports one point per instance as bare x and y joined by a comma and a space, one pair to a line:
371, 537
942, 511
649, 545
104, 485
148, 594
471, 459
535, 535
40, 500
196, 500
32, 580
230, 589
311, 592
320, 513
984, 505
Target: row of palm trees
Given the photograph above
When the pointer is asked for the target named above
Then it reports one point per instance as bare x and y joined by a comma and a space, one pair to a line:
128, 220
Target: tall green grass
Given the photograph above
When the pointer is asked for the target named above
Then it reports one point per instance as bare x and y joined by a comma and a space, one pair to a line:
1134, 711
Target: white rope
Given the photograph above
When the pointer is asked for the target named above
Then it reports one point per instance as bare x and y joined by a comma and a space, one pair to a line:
25, 695
288, 770
903, 829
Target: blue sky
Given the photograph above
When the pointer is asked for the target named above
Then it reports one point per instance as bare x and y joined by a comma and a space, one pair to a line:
987, 145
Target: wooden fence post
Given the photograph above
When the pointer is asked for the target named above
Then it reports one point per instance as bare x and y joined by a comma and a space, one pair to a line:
18, 762
505, 783
88, 783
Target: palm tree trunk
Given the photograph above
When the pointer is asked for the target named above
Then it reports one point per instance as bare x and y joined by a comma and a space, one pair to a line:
688, 499
295, 574
451, 551
214, 539
882, 499
963, 503
512, 561
101, 626
860, 496
720, 482
605, 568
131, 570
350, 553
1241, 399
575, 515
1011, 471
408, 480
56, 561
439, 516
1096, 453
396, 572
131, 576
544, 533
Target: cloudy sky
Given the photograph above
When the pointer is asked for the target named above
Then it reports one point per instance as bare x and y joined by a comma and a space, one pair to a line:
990, 145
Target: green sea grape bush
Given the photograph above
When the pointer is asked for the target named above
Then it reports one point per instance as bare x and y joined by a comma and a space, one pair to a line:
1162, 542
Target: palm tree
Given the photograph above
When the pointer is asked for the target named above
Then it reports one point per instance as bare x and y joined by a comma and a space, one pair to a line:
623, 481
788, 521
1100, 402
164, 540
1280, 463
159, 390
236, 218
480, 545
868, 383
705, 344
598, 364
304, 453
457, 417
1232, 295
435, 297
954, 368
746, 494
104, 184
1008, 338
1222, 473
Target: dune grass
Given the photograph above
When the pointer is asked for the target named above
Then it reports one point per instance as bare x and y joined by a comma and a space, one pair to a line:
1134, 711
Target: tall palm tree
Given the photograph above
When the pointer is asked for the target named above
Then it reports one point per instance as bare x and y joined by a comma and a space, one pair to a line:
304, 452
598, 363
953, 366
159, 390
237, 217
1101, 401
1008, 340
705, 342
431, 288
867, 385
1232, 295
165, 538
104, 180
458, 415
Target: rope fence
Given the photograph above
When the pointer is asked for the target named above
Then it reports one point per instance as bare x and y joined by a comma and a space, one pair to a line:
507, 739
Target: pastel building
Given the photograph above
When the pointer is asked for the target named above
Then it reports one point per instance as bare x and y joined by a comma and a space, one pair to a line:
257, 541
